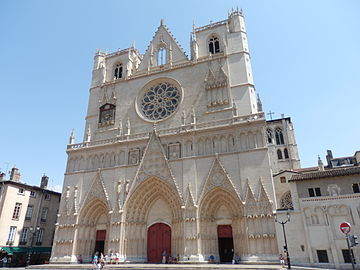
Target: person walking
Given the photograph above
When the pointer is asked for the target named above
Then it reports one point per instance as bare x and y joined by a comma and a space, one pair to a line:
164, 256
282, 260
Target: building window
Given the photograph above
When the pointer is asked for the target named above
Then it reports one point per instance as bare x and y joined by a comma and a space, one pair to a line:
33, 194
107, 113
214, 45
286, 201
29, 212
16, 212
118, 71
356, 188
279, 137
44, 213
279, 154
286, 153
21, 191
24, 236
269, 136
282, 179
346, 255
11, 235
322, 256
314, 192
47, 196
161, 57
39, 237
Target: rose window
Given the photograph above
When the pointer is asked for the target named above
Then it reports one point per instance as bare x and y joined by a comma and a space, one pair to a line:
160, 101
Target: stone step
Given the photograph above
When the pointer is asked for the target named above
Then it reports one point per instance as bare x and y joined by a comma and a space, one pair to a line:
248, 266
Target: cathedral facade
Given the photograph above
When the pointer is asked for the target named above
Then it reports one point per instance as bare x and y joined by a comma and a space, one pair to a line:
177, 155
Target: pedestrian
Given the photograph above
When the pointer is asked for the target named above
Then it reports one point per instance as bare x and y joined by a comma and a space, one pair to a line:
5, 261
95, 260
164, 256
282, 260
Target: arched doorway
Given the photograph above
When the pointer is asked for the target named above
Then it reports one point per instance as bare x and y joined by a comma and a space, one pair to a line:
93, 230
158, 240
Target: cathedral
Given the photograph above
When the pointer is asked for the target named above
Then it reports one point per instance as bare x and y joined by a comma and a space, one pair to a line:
177, 156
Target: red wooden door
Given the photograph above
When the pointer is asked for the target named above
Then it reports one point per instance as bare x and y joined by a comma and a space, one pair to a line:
159, 239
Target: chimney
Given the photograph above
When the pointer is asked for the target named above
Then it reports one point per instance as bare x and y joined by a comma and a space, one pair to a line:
44, 181
329, 157
14, 174
357, 157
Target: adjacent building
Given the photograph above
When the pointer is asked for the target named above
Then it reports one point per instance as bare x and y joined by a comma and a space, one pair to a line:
27, 216
320, 199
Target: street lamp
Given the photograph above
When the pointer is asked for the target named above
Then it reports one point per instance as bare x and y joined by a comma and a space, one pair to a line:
33, 232
283, 227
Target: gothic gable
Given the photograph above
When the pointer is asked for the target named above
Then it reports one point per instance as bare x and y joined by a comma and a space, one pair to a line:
154, 164
264, 204
162, 39
218, 177
250, 201
97, 191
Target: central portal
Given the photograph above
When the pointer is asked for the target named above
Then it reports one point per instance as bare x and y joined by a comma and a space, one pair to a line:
226, 244
158, 240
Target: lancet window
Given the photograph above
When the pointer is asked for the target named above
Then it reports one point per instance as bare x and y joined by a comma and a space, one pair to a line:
279, 154
279, 137
214, 44
118, 71
161, 56
269, 135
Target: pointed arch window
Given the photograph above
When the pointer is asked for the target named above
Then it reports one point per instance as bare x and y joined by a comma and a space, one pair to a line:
269, 136
279, 154
162, 56
214, 44
118, 71
107, 113
279, 137
286, 153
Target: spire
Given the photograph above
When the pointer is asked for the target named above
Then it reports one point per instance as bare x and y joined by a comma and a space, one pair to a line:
88, 134
193, 116
234, 108
259, 104
72, 137
128, 127
120, 128
161, 22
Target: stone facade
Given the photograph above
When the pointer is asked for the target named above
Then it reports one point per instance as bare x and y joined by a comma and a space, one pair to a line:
176, 141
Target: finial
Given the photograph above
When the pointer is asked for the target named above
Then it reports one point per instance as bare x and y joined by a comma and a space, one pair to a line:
72, 137
88, 134
161, 22
133, 44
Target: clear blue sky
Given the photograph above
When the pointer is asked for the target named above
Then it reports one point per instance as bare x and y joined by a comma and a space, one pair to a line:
305, 58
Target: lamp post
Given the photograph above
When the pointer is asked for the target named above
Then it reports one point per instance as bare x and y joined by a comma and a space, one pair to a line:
33, 232
283, 227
